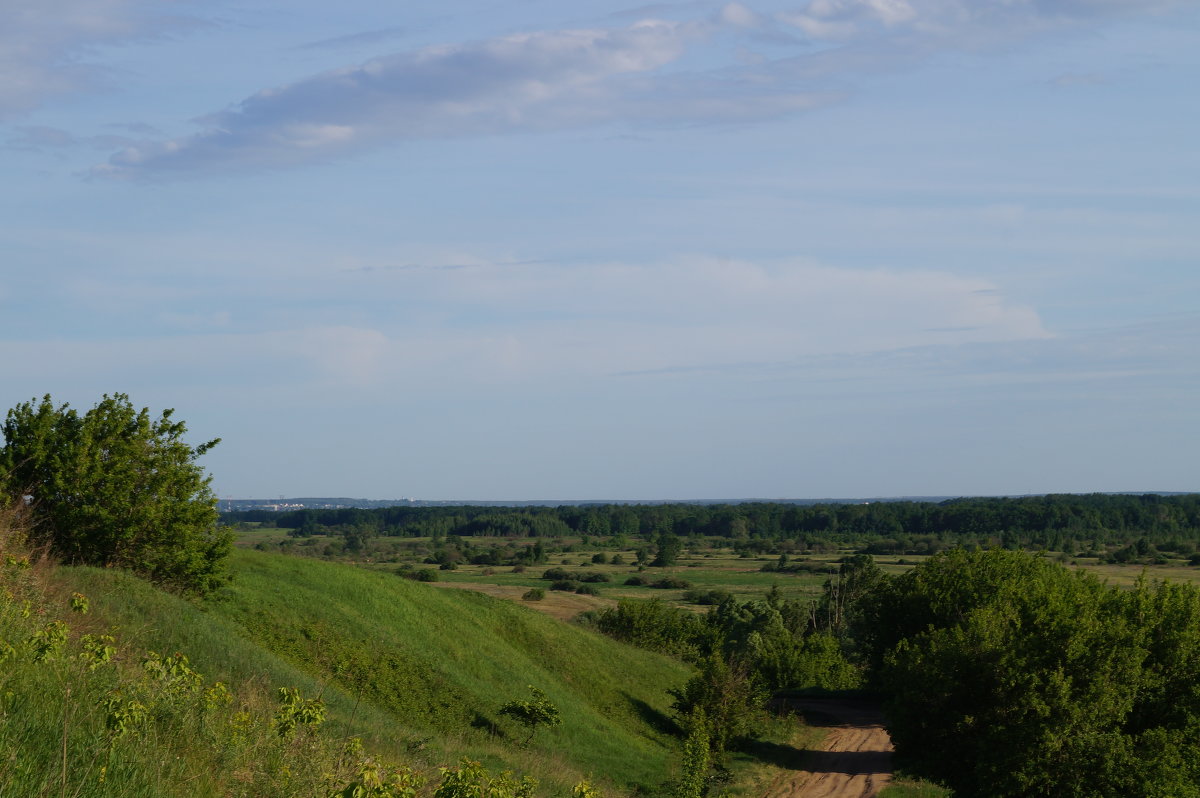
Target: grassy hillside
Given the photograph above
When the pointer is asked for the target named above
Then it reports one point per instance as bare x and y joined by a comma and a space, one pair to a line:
417, 672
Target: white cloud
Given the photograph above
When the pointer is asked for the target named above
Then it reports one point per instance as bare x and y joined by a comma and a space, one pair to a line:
739, 15
525, 81
698, 311
487, 323
954, 23
44, 44
557, 79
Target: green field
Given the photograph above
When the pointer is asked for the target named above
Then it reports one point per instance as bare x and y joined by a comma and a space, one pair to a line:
416, 671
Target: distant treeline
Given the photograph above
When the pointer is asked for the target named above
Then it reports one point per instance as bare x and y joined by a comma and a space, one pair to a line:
1057, 521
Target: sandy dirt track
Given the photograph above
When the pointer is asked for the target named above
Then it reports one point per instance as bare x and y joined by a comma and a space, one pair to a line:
854, 761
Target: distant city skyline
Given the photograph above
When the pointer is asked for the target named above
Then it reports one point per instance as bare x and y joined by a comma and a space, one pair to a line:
510, 251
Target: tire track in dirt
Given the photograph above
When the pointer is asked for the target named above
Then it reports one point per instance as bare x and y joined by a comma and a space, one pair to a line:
855, 758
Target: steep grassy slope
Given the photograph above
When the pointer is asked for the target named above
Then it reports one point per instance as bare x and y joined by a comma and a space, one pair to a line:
413, 668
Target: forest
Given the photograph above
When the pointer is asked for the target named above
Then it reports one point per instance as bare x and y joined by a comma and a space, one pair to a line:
1119, 525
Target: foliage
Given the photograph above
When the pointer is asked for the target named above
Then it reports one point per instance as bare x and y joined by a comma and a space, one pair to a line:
697, 757
727, 696
296, 711
657, 626
669, 548
838, 607
84, 715
418, 574
472, 780
116, 487
1011, 676
1058, 522
532, 714
534, 594
374, 781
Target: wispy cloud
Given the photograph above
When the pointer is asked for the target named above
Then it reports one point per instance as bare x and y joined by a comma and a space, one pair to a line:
634, 74
539, 319
45, 44
42, 138
355, 39
958, 24
528, 80
532, 81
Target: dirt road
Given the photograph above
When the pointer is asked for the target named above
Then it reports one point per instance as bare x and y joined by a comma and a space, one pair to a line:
854, 761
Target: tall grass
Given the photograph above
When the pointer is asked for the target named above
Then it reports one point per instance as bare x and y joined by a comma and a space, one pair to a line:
83, 713
416, 673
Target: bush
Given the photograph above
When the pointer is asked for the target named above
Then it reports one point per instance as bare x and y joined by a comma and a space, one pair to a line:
706, 597
671, 583
534, 594
532, 714
115, 487
569, 585
594, 577
1012, 676
587, 590
418, 575
637, 581
657, 626
600, 559
557, 573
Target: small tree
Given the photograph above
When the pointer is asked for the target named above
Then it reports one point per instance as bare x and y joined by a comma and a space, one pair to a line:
729, 698
532, 714
669, 548
697, 757
116, 487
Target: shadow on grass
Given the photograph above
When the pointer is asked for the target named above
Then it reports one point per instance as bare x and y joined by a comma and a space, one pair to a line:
484, 723
659, 721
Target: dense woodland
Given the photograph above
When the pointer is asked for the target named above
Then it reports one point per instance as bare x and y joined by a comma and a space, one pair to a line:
1100, 524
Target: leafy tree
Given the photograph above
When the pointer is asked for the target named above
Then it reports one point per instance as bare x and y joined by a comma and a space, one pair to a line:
115, 487
838, 605
1011, 676
727, 695
533, 713
697, 758
669, 548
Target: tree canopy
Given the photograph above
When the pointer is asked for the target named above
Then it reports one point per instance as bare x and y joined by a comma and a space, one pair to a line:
116, 487
1012, 676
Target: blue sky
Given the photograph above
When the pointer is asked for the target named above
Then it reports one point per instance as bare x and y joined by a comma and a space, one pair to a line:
545, 250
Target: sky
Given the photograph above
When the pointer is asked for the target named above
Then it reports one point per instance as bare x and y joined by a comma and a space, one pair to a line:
593, 250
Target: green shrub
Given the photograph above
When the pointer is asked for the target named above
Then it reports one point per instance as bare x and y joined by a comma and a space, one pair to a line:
115, 487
